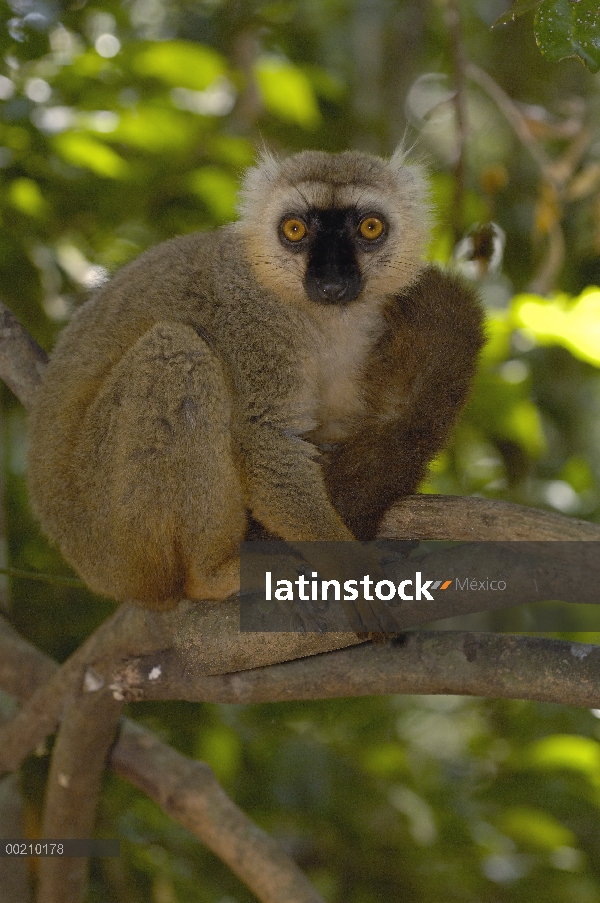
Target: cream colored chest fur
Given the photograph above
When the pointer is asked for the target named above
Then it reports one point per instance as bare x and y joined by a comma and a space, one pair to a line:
338, 343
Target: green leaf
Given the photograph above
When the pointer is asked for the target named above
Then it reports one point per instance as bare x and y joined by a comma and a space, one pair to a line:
85, 151
287, 92
89, 65
217, 188
578, 473
567, 751
25, 195
517, 9
385, 759
220, 747
181, 64
522, 423
232, 149
156, 130
536, 828
572, 323
563, 29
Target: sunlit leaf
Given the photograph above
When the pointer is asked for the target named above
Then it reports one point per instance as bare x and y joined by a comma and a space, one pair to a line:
181, 63
85, 151
572, 323
155, 129
567, 751
25, 195
498, 331
564, 28
536, 828
287, 92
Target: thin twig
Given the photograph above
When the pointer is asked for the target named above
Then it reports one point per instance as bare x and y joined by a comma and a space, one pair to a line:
552, 173
512, 113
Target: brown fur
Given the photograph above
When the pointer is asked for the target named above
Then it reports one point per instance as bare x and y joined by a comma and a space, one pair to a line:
201, 387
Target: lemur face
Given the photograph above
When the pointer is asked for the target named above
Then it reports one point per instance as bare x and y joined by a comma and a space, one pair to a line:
332, 229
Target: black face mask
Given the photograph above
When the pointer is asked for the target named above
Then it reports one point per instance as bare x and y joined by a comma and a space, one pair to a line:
332, 274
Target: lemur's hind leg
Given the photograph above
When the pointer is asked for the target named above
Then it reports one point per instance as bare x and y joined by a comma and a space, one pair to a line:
161, 476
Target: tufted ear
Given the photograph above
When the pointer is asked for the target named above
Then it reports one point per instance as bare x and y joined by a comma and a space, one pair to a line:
398, 158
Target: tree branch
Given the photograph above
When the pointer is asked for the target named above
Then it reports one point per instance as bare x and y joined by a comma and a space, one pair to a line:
42, 712
187, 790
179, 650
475, 519
207, 640
494, 665
22, 361
206, 637
420, 663
86, 734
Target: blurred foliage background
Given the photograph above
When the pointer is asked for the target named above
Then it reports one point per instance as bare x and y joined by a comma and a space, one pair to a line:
124, 123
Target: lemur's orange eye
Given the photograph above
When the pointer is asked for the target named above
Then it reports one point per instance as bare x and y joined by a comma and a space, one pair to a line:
371, 227
294, 229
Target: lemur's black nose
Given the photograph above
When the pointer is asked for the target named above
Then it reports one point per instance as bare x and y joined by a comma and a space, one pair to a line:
333, 292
